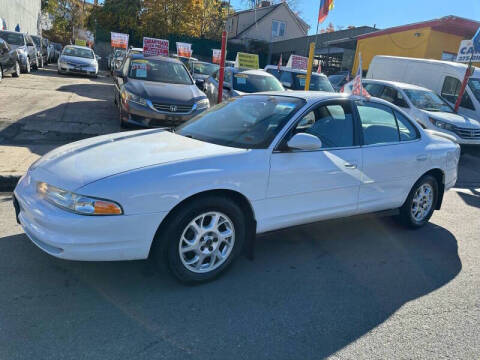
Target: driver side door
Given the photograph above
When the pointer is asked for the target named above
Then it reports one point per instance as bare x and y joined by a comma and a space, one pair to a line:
306, 186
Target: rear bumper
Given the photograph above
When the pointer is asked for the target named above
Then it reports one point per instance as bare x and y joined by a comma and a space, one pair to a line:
77, 237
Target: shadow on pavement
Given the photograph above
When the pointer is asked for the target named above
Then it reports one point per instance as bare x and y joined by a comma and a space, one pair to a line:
305, 296
94, 90
472, 199
63, 123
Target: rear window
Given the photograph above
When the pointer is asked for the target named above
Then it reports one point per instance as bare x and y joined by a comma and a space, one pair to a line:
78, 52
250, 83
317, 83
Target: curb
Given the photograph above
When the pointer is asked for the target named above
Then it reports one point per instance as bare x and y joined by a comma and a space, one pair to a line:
8, 182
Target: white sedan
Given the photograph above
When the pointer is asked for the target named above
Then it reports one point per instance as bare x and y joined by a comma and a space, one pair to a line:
192, 199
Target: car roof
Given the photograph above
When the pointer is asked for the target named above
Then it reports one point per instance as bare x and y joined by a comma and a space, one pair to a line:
163, 58
397, 84
314, 96
250, 71
293, 70
78, 47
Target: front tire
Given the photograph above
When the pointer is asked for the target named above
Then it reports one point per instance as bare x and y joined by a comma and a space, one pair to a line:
17, 70
201, 239
420, 204
28, 66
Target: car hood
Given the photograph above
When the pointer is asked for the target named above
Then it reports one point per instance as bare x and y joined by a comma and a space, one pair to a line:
78, 60
164, 92
77, 164
455, 119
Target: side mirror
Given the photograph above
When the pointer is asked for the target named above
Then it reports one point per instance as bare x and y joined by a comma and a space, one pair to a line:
304, 141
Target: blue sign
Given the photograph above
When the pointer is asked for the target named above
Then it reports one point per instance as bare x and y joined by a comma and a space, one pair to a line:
476, 41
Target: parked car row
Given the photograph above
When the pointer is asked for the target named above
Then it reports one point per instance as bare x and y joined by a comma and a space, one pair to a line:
20, 52
428, 93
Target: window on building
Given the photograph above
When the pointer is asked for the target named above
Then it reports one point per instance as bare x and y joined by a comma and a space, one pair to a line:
278, 28
448, 56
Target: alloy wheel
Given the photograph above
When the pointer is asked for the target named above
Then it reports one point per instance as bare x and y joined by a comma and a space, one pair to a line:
206, 242
422, 202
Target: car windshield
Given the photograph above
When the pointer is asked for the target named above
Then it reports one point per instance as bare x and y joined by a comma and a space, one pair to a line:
204, 68
317, 83
159, 71
12, 38
36, 40
336, 79
250, 83
427, 100
78, 52
474, 84
119, 53
248, 122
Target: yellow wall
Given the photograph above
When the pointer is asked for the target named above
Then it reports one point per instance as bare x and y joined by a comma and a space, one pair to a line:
440, 42
429, 45
403, 43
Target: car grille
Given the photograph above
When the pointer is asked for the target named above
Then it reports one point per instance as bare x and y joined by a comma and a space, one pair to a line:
172, 108
78, 65
466, 133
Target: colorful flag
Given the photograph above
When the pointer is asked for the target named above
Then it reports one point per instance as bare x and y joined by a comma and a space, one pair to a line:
325, 7
279, 63
357, 87
319, 69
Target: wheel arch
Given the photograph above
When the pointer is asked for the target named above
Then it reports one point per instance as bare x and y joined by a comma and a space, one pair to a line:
439, 175
233, 195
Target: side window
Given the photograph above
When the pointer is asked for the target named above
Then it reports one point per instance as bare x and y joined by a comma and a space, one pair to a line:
407, 130
451, 88
378, 123
331, 123
393, 96
274, 72
286, 78
373, 89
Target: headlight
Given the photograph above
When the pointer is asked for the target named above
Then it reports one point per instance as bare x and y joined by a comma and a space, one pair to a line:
79, 204
203, 104
128, 96
441, 124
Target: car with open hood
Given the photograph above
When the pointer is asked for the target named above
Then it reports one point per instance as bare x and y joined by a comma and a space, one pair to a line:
9, 60
156, 91
25, 47
238, 81
430, 110
201, 71
192, 198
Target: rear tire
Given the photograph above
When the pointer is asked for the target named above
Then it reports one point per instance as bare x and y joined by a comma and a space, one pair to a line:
420, 204
216, 240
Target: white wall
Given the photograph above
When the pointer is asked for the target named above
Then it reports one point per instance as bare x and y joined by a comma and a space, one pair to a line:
23, 12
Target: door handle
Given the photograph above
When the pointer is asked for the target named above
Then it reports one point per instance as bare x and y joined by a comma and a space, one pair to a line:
421, 157
350, 166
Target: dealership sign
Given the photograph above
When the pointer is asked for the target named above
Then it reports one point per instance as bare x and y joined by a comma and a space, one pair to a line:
80, 42
466, 51
297, 62
249, 61
119, 40
184, 49
216, 55
155, 47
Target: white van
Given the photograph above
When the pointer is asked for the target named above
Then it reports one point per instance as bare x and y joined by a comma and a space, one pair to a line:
443, 77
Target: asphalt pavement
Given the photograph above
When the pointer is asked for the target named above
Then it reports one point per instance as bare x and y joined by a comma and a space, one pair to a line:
358, 288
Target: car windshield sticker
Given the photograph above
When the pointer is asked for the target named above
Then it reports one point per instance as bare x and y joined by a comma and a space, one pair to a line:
140, 69
301, 80
241, 79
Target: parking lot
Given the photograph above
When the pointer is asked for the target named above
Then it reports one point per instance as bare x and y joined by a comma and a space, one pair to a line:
358, 288
370, 289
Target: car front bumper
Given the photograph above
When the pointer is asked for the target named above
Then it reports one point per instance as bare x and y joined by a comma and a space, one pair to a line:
146, 116
69, 69
67, 235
